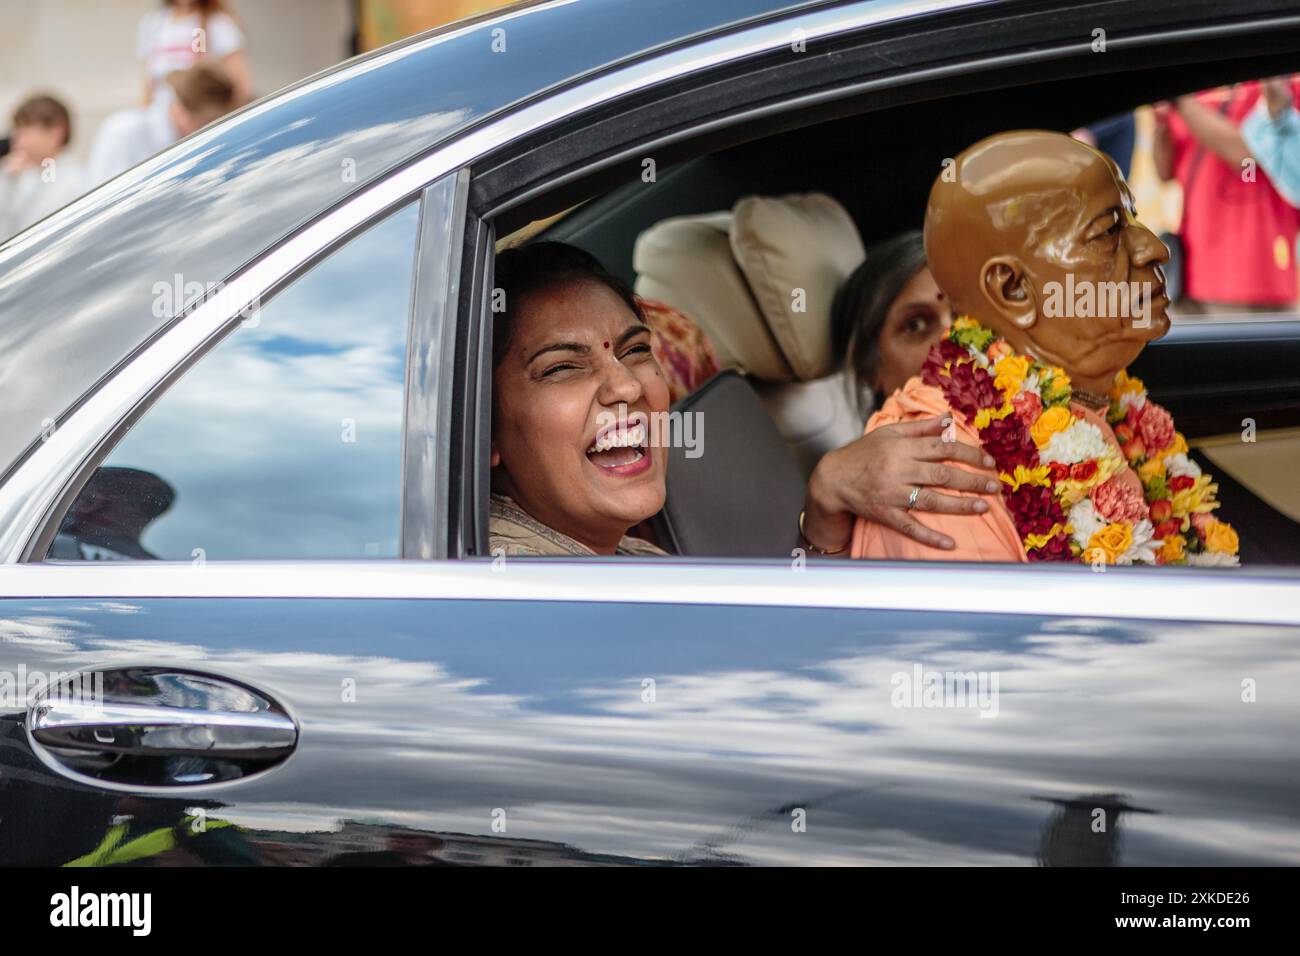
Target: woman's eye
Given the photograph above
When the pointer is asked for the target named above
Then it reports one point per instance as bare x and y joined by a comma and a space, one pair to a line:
917, 325
642, 349
562, 367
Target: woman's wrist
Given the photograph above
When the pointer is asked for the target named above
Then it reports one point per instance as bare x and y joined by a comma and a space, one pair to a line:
825, 523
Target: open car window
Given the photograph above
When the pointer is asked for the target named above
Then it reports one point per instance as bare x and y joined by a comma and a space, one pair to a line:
739, 280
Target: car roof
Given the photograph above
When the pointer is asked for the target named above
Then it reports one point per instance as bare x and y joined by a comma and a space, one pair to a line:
78, 291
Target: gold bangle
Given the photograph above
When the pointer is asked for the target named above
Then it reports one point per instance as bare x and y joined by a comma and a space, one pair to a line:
812, 547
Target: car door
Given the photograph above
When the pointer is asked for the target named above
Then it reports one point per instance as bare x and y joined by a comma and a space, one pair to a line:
285, 437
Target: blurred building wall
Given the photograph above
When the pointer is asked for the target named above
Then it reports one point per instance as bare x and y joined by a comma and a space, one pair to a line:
83, 51
384, 21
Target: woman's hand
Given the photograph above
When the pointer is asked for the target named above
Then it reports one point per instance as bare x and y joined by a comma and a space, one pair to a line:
874, 476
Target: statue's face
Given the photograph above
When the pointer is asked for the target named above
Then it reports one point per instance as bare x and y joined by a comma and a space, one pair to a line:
1096, 274
1038, 238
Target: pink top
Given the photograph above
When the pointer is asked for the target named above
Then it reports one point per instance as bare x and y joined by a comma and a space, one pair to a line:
990, 536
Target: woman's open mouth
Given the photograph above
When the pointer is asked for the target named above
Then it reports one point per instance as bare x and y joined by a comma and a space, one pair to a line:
621, 450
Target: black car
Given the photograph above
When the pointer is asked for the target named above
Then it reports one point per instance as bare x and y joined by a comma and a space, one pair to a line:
250, 613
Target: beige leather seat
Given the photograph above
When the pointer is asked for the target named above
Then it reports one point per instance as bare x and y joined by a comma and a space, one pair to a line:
760, 281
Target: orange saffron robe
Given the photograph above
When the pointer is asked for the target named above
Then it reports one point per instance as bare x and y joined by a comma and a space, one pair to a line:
988, 537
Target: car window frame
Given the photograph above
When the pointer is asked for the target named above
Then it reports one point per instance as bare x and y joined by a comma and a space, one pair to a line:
430, 321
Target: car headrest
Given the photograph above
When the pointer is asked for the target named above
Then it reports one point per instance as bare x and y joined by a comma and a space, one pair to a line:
738, 491
760, 279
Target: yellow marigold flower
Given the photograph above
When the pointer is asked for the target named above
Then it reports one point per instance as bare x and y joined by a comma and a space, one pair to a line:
1008, 385
1114, 540
1197, 499
1010, 372
1036, 541
1055, 419
1070, 491
964, 322
1026, 476
1151, 468
1124, 384
1059, 379
1179, 447
1171, 552
986, 415
1221, 538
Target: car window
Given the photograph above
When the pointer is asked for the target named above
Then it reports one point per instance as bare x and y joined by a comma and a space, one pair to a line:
285, 440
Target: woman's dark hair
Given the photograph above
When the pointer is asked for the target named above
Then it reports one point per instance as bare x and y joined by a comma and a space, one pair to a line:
858, 313
538, 266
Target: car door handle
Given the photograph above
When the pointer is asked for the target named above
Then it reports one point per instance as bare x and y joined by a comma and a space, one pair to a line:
148, 730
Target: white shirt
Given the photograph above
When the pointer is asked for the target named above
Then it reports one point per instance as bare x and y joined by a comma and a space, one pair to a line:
33, 194
165, 43
129, 137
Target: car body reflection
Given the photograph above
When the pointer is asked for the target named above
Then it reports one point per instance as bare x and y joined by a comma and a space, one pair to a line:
500, 722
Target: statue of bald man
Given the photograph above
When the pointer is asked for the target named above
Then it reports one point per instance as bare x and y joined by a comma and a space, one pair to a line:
1034, 238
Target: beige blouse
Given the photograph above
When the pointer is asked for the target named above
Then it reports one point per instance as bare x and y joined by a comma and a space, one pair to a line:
516, 532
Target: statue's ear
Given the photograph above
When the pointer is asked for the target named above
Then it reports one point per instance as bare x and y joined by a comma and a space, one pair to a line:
1009, 291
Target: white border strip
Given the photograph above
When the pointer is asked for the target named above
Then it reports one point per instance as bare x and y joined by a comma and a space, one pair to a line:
1194, 594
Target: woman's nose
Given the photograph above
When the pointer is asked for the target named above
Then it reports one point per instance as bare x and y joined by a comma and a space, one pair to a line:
618, 384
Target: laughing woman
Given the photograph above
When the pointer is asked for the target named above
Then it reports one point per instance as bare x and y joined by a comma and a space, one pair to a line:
574, 389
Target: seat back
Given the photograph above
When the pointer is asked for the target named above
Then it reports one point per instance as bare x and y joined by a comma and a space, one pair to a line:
760, 279
738, 492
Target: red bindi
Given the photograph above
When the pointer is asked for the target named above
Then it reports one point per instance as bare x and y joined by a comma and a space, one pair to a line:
606, 345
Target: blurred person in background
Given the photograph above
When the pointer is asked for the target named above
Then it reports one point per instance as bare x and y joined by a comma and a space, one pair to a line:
37, 176
185, 33
1272, 132
1238, 234
199, 96
1115, 137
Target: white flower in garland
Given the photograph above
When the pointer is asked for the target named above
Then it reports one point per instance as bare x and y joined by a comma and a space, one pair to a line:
1180, 465
1080, 442
1143, 548
1132, 400
1213, 559
1085, 521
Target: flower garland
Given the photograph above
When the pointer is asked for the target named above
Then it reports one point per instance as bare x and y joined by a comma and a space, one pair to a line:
1065, 485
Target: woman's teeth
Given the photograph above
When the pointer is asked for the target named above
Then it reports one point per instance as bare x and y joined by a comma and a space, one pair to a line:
618, 447
627, 438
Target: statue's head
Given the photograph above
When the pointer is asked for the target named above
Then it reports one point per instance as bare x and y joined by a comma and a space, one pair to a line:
1035, 235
